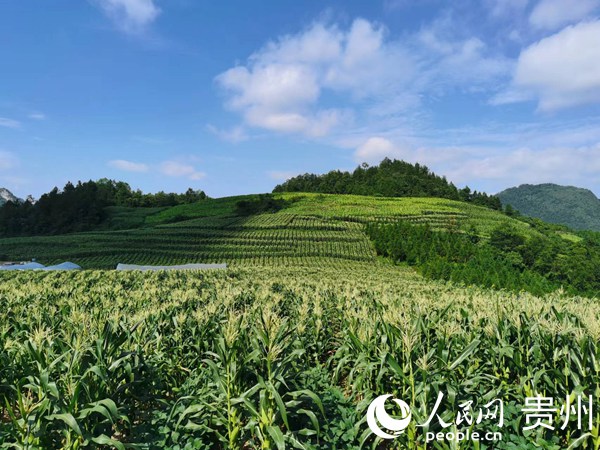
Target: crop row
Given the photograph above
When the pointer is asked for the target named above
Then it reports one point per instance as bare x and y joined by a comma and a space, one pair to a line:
280, 357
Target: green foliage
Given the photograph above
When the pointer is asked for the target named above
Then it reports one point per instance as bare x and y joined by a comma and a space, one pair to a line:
264, 239
276, 358
510, 211
127, 218
507, 260
575, 207
506, 238
456, 257
82, 207
310, 229
319, 229
260, 204
224, 207
389, 179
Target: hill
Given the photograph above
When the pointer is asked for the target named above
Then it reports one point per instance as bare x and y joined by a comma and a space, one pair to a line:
7, 196
309, 229
567, 205
391, 178
85, 206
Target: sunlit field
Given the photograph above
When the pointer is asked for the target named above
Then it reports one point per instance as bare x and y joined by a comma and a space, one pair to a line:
312, 230
278, 357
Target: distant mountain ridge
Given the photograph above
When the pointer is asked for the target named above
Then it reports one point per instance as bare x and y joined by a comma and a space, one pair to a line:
575, 207
7, 196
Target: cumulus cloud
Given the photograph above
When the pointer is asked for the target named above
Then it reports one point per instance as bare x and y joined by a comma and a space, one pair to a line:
279, 87
495, 156
180, 170
494, 167
128, 166
553, 14
561, 71
131, 16
525, 165
377, 148
318, 80
9, 123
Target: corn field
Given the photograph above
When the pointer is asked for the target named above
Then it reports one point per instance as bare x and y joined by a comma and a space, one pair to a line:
326, 229
275, 358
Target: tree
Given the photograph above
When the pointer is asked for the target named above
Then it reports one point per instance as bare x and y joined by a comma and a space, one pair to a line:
510, 211
506, 239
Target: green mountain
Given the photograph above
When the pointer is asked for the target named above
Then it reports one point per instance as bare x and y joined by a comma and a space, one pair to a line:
464, 243
566, 205
310, 229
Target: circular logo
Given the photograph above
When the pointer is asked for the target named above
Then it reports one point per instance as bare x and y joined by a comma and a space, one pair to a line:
377, 413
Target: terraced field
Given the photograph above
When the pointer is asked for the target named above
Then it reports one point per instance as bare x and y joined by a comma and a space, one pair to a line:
268, 239
312, 230
288, 347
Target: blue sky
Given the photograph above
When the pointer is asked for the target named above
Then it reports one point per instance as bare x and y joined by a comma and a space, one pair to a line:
233, 97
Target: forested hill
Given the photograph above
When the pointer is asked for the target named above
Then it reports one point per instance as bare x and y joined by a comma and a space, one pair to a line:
566, 205
391, 178
80, 207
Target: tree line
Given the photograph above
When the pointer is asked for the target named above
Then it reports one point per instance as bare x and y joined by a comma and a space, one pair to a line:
81, 207
391, 178
508, 260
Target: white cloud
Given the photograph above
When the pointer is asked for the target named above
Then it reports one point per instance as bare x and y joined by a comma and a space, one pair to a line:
9, 123
467, 62
562, 70
319, 80
553, 14
280, 87
525, 165
37, 116
374, 149
495, 155
131, 16
495, 167
180, 170
128, 166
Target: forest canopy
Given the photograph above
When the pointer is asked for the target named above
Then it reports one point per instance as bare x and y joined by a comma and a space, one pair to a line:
539, 264
81, 207
391, 178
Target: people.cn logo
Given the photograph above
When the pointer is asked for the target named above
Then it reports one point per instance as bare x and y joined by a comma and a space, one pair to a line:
378, 419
